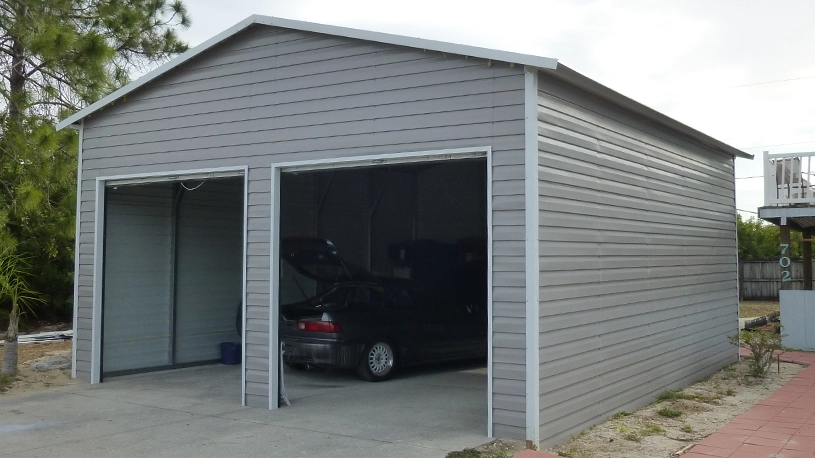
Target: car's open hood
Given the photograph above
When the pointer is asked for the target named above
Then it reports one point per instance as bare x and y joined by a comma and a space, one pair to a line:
319, 259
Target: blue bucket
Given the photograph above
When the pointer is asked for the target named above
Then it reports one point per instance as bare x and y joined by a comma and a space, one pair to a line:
230, 353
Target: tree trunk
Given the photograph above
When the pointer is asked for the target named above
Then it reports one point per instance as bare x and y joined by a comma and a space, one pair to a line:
10, 347
16, 80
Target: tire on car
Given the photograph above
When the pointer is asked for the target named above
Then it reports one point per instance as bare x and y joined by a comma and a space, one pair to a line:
378, 361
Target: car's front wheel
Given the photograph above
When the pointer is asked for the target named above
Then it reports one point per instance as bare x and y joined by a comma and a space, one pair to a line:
378, 361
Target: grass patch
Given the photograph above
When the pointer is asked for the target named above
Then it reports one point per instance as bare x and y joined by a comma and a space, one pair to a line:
636, 435
749, 309
671, 395
621, 414
5, 382
669, 412
687, 428
675, 395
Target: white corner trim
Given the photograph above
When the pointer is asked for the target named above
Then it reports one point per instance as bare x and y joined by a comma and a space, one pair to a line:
735, 234
76, 244
274, 292
490, 313
244, 262
532, 220
379, 37
98, 257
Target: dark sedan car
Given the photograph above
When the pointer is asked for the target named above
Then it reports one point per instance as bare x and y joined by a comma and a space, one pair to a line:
348, 318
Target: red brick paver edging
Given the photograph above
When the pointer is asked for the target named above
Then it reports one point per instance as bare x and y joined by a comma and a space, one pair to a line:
780, 426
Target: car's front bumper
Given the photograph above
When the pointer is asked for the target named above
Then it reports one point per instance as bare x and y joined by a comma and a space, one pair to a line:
322, 353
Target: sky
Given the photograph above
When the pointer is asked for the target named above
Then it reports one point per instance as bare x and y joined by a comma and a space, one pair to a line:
741, 71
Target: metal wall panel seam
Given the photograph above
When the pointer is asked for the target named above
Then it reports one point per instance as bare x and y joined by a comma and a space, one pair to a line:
532, 221
76, 245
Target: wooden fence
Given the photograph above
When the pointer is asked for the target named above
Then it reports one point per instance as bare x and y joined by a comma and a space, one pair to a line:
761, 279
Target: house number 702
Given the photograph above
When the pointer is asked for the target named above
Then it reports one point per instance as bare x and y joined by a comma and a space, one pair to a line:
785, 262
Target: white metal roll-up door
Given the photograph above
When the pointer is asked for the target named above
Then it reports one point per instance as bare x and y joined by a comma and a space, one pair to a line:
137, 297
209, 268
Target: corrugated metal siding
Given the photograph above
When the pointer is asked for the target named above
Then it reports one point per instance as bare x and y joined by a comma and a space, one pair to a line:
281, 95
209, 268
638, 260
137, 331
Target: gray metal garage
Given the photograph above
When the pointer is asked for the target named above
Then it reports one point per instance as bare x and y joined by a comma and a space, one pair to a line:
610, 228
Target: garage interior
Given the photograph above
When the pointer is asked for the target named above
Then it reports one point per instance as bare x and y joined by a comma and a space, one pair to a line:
173, 284
173, 274
417, 222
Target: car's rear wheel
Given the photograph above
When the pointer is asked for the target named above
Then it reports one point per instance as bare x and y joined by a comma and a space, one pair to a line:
378, 361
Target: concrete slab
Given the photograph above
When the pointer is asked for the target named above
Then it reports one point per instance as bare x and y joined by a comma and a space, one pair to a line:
424, 412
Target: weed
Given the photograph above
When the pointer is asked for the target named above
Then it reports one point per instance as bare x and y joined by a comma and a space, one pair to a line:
577, 436
687, 428
669, 412
632, 436
492, 451
5, 382
650, 429
620, 414
671, 395
730, 392
495, 452
466, 453
674, 395
627, 433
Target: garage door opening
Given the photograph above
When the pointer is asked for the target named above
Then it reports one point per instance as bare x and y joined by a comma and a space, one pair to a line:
173, 274
383, 274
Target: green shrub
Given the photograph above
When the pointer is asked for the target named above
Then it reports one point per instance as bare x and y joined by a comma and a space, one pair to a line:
762, 344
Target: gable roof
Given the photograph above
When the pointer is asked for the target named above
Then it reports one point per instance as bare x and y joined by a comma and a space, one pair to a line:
399, 40
549, 65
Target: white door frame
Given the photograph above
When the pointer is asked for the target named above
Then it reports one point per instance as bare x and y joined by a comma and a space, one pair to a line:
99, 242
371, 160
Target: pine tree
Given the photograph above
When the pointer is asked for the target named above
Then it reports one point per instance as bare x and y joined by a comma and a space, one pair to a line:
55, 57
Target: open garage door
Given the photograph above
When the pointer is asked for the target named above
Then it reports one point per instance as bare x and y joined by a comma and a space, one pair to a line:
173, 273
383, 273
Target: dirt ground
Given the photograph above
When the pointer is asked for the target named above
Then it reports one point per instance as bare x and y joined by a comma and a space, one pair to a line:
697, 411
28, 381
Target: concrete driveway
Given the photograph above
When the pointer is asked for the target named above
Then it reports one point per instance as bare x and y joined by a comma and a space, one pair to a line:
195, 412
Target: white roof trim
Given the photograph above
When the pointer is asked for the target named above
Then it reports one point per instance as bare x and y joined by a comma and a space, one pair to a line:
399, 40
